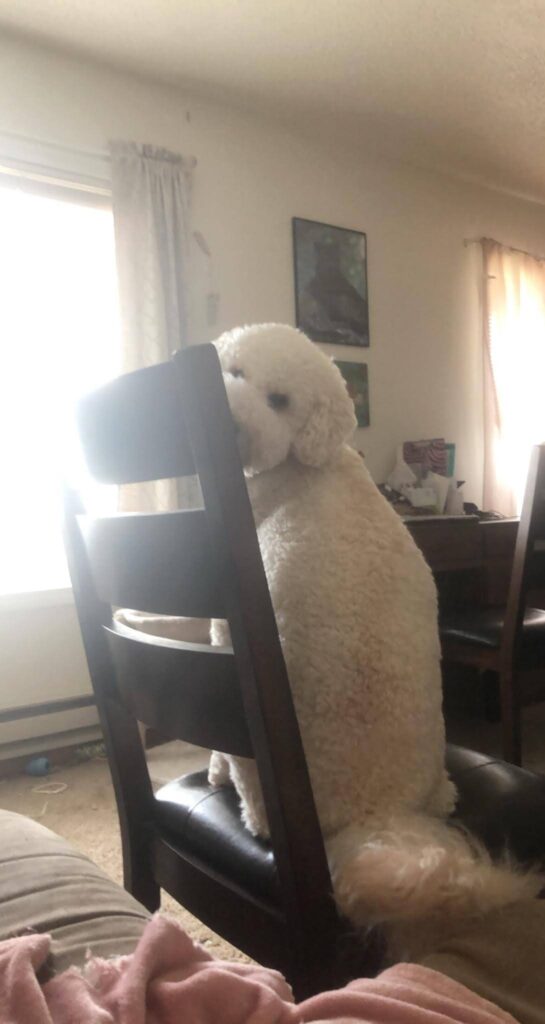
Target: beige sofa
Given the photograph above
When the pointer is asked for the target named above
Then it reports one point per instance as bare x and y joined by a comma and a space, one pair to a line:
48, 886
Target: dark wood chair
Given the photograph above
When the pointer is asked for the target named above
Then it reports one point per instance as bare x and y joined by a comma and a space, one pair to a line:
510, 641
272, 900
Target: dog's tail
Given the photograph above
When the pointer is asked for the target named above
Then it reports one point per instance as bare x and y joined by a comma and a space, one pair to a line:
421, 876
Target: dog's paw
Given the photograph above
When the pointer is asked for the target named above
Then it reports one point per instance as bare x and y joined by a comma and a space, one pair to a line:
218, 769
196, 631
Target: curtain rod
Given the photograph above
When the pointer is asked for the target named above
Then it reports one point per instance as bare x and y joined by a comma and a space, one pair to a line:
63, 147
512, 248
91, 186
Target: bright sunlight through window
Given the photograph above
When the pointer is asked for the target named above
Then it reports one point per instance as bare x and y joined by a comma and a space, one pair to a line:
59, 337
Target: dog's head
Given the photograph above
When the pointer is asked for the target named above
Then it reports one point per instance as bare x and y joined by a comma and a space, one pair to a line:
286, 397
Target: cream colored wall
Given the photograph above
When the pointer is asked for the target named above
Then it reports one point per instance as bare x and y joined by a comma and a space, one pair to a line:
41, 659
252, 177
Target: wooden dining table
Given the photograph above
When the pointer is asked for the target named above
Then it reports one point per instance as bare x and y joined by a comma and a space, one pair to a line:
471, 558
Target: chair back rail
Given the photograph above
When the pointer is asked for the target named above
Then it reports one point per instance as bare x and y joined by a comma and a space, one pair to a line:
161, 563
172, 686
132, 429
166, 421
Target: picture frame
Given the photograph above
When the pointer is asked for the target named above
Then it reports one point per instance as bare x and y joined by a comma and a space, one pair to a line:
356, 376
331, 294
426, 456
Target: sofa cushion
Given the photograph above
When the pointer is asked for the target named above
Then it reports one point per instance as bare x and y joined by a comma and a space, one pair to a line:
48, 886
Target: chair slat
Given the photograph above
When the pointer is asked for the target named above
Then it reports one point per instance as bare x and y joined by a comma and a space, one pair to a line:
132, 429
156, 563
171, 686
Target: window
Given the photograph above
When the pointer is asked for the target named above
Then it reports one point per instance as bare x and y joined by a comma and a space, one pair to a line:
514, 371
59, 337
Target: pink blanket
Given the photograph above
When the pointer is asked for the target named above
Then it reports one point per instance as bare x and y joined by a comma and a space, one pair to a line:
169, 980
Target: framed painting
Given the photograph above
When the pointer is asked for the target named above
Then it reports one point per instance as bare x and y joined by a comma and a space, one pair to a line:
357, 381
330, 267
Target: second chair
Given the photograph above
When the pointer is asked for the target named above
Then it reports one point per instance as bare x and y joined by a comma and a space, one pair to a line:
510, 641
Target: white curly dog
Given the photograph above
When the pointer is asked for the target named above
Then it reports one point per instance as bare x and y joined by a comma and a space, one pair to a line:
356, 609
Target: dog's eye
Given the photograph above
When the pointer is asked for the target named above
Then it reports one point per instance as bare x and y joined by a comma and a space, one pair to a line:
277, 400
235, 372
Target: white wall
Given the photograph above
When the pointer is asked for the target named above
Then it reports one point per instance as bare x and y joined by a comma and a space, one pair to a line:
41, 659
252, 177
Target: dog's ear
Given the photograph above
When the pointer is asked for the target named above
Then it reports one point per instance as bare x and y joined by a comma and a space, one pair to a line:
330, 423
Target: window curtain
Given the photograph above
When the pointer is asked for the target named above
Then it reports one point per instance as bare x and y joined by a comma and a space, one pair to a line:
514, 371
151, 198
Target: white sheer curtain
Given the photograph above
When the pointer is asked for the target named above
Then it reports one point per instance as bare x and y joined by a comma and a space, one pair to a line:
151, 198
514, 371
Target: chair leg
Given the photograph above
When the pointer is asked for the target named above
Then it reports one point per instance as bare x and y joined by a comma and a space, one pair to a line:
144, 888
491, 696
510, 717
138, 878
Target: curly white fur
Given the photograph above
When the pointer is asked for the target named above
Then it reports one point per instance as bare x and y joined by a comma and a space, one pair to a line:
356, 610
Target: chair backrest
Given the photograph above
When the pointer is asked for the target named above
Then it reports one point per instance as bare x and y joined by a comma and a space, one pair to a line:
528, 573
173, 420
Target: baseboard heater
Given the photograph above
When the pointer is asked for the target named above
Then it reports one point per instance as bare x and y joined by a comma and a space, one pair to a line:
48, 708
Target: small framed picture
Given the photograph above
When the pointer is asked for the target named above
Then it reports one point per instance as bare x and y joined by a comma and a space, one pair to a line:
357, 381
330, 266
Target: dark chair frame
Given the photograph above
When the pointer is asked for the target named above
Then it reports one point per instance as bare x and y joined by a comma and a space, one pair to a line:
173, 420
512, 660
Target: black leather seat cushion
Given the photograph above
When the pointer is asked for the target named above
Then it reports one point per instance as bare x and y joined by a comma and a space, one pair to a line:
483, 627
205, 822
502, 805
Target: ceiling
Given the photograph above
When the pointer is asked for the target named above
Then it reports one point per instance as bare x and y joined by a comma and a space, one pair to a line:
456, 85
